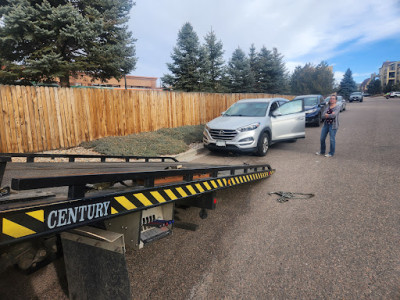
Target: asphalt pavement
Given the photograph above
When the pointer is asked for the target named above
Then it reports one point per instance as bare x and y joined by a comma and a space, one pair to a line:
344, 243
341, 244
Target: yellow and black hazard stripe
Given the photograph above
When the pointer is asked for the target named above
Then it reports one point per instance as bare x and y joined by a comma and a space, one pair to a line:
23, 224
58, 217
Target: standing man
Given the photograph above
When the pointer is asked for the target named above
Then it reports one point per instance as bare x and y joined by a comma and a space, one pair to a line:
331, 125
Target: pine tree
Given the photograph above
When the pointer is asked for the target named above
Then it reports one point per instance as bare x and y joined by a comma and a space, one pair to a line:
185, 68
44, 39
279, 82
312, 80
323, 79
215, 62
254, 67
239, 73
375, 87
268, 70
204, 83
264, 70
347, 85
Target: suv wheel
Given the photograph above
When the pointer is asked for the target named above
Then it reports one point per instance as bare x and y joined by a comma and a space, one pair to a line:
263, 144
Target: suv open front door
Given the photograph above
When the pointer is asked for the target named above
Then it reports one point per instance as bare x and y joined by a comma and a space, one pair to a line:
288, 121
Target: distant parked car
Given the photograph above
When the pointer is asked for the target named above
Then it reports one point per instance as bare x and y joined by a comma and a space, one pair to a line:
365, 94
356, 96
342, 103
314, 106
394, 94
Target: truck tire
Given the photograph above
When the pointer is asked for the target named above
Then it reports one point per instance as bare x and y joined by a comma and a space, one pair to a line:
263, 144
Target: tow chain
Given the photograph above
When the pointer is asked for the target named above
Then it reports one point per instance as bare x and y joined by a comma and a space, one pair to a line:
5, 191
285, 196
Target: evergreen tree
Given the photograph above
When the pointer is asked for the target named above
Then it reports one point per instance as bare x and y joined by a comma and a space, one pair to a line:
215, 64
268, 70
312, 79
264, 70
204, 84
186, 66
44, 39
239, 73
374, 87
347, 85
390, 87
323, 79
301, 80
279, 75
254, 67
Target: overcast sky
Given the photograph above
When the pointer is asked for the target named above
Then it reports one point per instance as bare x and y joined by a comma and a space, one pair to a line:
355, 34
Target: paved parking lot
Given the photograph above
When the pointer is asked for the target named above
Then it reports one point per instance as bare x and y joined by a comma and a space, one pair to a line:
341, 244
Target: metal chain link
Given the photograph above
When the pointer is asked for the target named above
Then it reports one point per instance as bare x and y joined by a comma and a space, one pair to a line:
5, 191
285, 196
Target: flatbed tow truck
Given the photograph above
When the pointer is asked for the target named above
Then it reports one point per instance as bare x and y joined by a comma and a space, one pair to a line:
91, 211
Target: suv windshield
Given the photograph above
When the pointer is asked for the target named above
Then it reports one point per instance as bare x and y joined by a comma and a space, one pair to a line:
356, 93
247, 109
310, 101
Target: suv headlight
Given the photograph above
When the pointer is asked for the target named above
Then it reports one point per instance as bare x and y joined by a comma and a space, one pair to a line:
249, 127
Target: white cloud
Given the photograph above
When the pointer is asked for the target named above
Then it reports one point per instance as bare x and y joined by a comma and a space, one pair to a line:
304, 30
338, 76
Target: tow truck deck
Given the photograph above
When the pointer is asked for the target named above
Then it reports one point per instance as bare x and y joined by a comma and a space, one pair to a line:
133, 198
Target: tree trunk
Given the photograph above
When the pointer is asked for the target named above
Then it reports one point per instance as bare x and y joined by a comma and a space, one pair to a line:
64, 80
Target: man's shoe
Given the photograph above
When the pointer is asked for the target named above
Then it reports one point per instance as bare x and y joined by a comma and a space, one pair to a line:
319, 153
328, 155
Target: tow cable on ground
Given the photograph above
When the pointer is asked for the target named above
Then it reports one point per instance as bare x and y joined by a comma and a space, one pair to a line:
285, 196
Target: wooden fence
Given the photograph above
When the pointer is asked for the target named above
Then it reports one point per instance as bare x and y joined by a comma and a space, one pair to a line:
34, 119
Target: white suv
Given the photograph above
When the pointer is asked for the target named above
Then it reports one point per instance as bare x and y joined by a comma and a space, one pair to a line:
394, 94
251, 125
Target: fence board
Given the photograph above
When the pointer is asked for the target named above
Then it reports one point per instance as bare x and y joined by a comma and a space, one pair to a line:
34, 119
17, 116
11, 120
4, 133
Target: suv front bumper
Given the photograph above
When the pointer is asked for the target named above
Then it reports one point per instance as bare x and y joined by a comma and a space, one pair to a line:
242, 142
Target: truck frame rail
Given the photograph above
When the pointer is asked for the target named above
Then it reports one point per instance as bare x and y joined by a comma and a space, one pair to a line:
65, 196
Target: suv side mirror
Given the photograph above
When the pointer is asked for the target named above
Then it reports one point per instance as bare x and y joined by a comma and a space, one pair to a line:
276, 113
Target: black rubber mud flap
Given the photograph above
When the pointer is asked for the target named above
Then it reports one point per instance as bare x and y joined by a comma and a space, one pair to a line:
94, 272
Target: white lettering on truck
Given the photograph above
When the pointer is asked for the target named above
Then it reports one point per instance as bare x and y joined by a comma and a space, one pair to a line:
66, 216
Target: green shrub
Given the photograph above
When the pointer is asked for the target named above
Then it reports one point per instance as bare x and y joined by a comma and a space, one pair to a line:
166, 141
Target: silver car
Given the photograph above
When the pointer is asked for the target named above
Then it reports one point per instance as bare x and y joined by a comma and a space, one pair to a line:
339, 101
252, 125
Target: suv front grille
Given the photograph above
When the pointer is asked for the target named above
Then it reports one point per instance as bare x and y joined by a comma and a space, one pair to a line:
223, 134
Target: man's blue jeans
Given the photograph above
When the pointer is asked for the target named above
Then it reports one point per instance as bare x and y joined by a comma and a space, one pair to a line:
332, 133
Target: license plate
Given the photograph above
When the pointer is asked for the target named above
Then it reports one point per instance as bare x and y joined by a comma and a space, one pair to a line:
221, 143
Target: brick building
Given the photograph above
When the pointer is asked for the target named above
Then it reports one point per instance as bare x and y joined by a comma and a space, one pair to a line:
132, 82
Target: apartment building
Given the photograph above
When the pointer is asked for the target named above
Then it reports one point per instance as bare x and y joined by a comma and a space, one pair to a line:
389, 73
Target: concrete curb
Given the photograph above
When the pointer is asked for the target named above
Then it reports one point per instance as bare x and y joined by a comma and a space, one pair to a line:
191, 154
